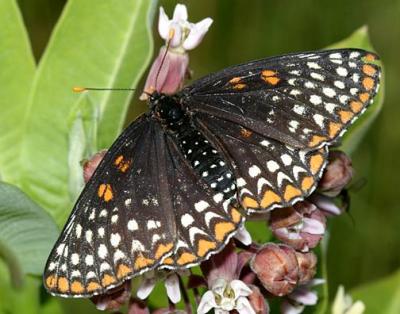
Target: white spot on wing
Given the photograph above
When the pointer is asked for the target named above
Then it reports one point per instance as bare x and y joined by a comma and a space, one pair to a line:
201, 205
186, 220
254, 171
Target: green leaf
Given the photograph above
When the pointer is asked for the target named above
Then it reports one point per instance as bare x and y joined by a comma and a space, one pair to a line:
382, 296
17, 70
27, 233
360, 39
106, 45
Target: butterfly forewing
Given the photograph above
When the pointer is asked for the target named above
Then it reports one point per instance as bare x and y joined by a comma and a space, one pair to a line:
123, 222
304, 100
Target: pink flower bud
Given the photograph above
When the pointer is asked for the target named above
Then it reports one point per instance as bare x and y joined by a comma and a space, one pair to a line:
301, 226
307, 266
171, 73
89, 166
337, 174
276, 267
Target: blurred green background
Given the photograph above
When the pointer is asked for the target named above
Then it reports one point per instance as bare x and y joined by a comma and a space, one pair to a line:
365, 244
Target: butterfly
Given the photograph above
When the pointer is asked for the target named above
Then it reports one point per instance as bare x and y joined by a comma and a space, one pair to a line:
180, 180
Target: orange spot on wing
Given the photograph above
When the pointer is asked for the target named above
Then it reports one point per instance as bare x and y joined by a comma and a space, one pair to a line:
222, 229
334, 128
316, 162
105, 192
239, 86
142, 262
267, 73
273, 80
123, 270
204, 247
369, 69
235, 80
291, 192
370, 57
249, 202
162, 249
236, 215
108, 280
316, 140
168, 261
245, 132
307, 183
63, 284
269, 198
118, 160
270, 77
368, 83
51, 281
364, 97
186, 258
77, 287
345, 116
356, 106
92, 286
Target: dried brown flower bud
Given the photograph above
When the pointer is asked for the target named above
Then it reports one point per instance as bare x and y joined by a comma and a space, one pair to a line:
307, 266
337, 175
276, 267
137, 306
113, 299
257, 301
89, 166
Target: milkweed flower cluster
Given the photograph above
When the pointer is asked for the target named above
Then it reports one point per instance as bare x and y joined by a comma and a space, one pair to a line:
244, 275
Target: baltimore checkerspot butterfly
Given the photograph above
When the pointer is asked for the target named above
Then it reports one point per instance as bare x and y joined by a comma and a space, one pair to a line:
180, 180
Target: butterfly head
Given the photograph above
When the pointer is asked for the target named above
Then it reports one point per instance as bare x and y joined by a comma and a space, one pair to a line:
167, 109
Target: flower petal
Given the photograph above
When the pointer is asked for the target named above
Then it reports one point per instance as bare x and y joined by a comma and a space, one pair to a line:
357, 308
313, 226
243, 306
243, 236
207, 302
197, 33
173, 289
145, 288
240, 288
180, 13
163, 24
288, 308
339, 304
304, 296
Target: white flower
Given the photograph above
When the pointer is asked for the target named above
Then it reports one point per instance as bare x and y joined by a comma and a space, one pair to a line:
151, 278
226, 296
183, 34
343, 304
243, 235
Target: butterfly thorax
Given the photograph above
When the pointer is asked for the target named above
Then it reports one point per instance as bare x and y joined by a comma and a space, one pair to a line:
197, 150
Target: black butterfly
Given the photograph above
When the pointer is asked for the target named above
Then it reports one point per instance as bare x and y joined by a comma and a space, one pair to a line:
178, 182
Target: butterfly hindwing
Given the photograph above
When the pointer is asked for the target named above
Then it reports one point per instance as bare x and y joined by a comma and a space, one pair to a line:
304, 100
268, 173
204, 219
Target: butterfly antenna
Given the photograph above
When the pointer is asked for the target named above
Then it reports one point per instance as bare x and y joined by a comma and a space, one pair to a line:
170, 36
78, 89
